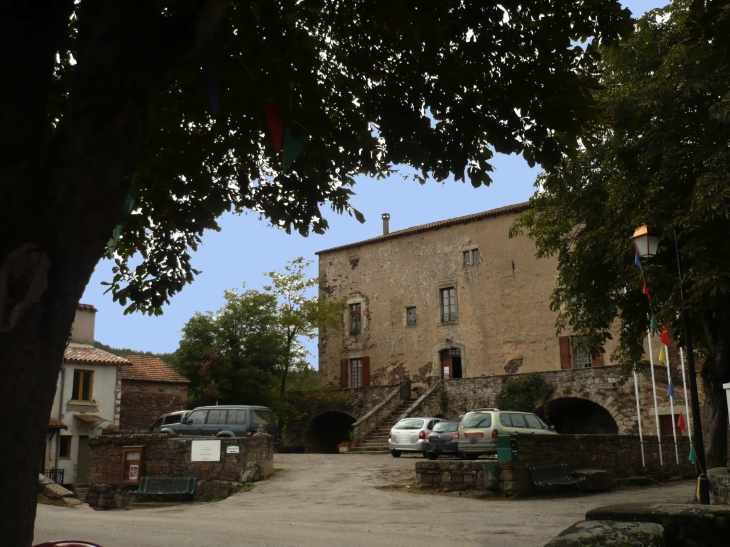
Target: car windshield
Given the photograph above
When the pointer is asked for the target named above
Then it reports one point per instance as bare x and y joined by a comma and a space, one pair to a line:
262, 417
409, 424
477, 420
446, 426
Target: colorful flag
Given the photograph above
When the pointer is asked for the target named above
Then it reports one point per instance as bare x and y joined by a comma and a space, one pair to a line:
670, 390
293, 146
662, 355
680, 423
637, 260
645, 290
693, 457
213, 85
276, 125
664, 336
653, 324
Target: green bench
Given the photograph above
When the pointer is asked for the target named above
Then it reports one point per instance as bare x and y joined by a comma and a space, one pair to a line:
553, 475
163, 484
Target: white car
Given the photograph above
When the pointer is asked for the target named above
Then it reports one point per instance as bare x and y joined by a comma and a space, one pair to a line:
409, 435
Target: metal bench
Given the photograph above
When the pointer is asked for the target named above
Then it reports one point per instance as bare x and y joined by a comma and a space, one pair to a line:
553, 475
163, 484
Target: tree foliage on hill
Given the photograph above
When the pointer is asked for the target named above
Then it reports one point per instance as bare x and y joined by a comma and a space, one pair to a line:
100, 98
661, 157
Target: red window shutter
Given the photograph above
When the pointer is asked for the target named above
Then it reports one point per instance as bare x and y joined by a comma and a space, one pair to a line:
343, 372
564, 352
598, 360
365, 371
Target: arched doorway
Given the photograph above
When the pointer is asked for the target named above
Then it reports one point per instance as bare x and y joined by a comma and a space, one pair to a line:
571, 415
328, 429
451, 363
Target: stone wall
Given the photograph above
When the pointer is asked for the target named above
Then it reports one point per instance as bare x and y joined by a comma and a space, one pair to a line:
372, 419
720, 480
171, 456
618, 455
143, 402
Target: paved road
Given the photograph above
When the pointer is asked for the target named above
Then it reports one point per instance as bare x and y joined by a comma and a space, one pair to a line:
333, 500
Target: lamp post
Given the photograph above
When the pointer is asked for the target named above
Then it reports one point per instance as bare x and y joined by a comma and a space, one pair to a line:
647, 246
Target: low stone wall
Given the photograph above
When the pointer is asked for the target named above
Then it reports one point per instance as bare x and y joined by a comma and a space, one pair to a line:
720, 481
618, 455
171, 456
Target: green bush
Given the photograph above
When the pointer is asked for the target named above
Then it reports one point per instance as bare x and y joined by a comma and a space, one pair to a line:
525, 393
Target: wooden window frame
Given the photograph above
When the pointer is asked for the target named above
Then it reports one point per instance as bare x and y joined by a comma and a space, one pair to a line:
61, 455
356, 372
567, 355
79, 393
452, 304
355, 318
471, 257
408, 315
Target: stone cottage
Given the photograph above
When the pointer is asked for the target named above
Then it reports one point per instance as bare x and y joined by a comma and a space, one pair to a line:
149, 389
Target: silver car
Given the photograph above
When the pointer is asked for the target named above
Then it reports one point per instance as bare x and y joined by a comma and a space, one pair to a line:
409, 435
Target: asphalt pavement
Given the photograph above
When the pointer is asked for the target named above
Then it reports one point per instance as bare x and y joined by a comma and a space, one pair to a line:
319, 500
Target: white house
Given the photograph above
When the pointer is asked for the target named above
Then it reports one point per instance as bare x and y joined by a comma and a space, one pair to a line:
87, 400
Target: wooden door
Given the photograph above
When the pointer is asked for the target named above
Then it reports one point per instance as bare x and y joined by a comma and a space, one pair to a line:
447, 367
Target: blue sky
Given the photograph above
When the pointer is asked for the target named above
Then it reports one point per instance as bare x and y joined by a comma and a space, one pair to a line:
246, 246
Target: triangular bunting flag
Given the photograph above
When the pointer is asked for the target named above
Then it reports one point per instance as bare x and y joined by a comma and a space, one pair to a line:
213, 85
276, 126
653, 324
645, 290
664, 336
662, 354
637, 260
126, 211
692, 454
293, 146
670, 390
680, 423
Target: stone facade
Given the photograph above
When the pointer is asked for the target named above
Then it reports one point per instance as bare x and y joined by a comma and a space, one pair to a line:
618, 455
143, 402
720, 480
171, 456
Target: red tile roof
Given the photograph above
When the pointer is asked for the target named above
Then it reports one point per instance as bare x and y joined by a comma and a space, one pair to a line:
53, 423
151, 369
516, 208
88, 307
92, 356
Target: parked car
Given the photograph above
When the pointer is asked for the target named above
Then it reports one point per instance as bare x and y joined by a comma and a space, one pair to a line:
444, 439
409, 435
169, 418
479, 429
225, 421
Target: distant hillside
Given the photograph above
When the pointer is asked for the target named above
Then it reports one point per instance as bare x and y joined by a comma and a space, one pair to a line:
167, 357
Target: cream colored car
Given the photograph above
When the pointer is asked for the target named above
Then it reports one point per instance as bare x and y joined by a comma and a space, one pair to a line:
479, 429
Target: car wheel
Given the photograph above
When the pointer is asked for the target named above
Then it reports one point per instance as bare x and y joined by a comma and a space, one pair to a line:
472, 456
431, 455
395, 453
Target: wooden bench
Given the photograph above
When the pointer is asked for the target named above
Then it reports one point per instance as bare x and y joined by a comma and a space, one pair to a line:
163, 484
553, 475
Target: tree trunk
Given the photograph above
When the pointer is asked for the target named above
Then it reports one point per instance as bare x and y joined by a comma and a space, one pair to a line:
62, 197
715, 373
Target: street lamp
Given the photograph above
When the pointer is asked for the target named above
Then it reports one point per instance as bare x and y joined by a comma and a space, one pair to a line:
647, 245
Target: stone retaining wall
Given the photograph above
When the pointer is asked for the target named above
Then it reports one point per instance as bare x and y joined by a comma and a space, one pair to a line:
364, 425
171, 456
618, 455
720, 481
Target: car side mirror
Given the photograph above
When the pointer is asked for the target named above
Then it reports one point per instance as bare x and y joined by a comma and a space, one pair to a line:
552, 428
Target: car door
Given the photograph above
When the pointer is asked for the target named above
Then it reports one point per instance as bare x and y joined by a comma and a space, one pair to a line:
193, 425
215, 422
520, 424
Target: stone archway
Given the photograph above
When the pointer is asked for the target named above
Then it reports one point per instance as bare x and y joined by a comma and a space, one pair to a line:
328, 429
442, 349
573, 415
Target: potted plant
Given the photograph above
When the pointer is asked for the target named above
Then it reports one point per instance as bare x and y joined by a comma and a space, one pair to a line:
353, 440
343, 447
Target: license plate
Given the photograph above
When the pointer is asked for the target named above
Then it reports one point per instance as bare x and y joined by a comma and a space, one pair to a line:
479, 435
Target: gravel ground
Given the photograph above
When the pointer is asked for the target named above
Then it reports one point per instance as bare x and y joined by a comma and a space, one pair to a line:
319, 500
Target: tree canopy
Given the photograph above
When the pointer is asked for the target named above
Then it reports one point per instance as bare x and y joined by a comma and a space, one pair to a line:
660, 158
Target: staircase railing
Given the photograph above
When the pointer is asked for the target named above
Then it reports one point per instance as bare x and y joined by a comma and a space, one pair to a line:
382, 410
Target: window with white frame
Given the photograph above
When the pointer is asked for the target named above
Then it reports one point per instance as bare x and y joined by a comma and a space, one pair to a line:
471, 257
448, 304
356, 372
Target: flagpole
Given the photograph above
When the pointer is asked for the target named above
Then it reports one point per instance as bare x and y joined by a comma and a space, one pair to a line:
686, 405
671, 402
638, 417
653, 390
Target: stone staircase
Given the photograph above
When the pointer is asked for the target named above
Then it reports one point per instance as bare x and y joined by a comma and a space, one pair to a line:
377, 440
80, 491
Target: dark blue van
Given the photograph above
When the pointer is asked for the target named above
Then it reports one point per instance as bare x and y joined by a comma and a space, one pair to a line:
225, 421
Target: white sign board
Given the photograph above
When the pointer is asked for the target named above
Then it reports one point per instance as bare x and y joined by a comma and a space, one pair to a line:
233, 449
205, 451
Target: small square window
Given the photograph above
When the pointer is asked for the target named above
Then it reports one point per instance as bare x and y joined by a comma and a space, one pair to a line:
467, 258
64, 448
471, 257
476, 256
412, 316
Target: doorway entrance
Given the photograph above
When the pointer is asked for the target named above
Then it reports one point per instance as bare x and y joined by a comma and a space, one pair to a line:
451, 363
